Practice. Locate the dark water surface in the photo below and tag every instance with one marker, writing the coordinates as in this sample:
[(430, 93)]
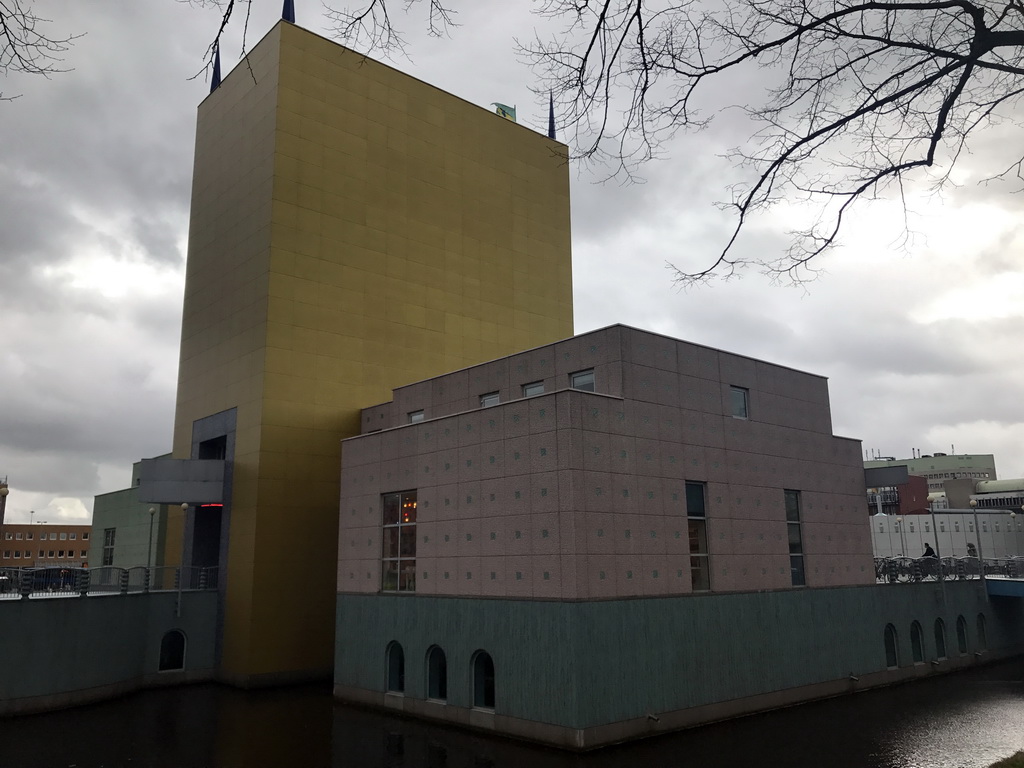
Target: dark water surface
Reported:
[(966, 720)]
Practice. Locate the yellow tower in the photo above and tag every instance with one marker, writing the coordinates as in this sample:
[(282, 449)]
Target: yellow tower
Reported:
[(353, 229)]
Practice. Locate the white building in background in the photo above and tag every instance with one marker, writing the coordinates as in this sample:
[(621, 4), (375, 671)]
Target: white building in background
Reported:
[(997, 533), (936, 468)]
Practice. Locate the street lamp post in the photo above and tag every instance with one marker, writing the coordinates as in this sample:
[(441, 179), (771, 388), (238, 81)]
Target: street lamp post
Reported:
[(149, 555), (973, 503)]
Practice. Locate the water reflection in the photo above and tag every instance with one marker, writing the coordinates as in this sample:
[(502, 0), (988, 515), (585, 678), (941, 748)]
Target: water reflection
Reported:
[(967, 720)]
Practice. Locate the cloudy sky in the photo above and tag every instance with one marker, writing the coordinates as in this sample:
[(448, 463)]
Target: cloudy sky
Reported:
[(920, 339)]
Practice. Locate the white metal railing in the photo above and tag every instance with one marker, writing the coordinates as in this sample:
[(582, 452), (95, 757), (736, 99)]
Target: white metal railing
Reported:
[(907, 569), (67, 581)]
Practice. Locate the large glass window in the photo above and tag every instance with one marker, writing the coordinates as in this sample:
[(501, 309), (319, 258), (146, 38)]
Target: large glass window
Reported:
[(108, 546), (437, 674), (398, 566), (582, 380), (738, 402), (696, 519), (483, 680), (796, 542), (396, 668)]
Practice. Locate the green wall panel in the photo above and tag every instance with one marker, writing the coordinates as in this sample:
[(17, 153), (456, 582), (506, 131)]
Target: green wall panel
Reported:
[(592, 663)]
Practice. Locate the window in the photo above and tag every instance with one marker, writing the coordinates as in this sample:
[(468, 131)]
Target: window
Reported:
[(50, 554), (398, 572), (582, 380), (892, 651), (396, 668), (60, 553), (63, 536), (17, 554), (53, 537), (108, 546), (961, 635), (85, 536), (982, 636), (796, 545), (73, 536), (917, 643), (172, 651), (28, 536), (940, 639), (17, 537), (7, 554), (40, 553), (437, 674), (483, 680), (738, 402), (415, 416), (491, 398), (533, 388), (8, 536), (696, 519), (84, 553)]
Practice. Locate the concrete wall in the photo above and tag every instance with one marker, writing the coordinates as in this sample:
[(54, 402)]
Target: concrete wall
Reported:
[(588, 673), (61, 651)]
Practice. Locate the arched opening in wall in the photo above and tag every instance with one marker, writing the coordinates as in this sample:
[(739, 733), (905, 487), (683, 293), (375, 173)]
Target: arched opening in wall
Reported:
[(982, 634), (892, 652), (917, 643), (395, 660), (961, 635), (437, 674), (483, 680), (172, 651), (940, 639)]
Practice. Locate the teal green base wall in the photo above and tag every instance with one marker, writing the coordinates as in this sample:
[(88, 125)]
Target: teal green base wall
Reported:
[(61, 651), (587, 666)]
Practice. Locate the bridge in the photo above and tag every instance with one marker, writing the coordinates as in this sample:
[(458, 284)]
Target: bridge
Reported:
[(1003, 576)]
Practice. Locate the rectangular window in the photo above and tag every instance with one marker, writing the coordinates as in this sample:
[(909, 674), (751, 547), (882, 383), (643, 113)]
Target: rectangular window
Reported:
[(533, 388), (796, 542), (415, 416), (9, 536), (51, 554), (696, 514), (17, 554), (85, 536), (53, 537), (582, 380), (73, 536), (17, 537), (398, 556), (63, 536), (7, 554), (491, 398), (84, 553), (108, 545), (738, 397), (28, 536), (60, 553), (40, 554)]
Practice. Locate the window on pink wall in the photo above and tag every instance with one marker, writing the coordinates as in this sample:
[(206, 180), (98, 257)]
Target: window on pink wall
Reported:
[(398, 556), (696, 519), (796, 545)]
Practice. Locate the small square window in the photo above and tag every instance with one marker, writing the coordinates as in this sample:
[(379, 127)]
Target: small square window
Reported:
[(17, 536), (53, 537), (415, 416), (50, 554), (28, 536), (491, 398), (738, 402), (583, 380), (73, 536), (17, 554), (533, 388), (63, 536), (85, 536)]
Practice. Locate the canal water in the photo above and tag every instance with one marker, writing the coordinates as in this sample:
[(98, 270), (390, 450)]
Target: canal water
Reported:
[(966, 720)]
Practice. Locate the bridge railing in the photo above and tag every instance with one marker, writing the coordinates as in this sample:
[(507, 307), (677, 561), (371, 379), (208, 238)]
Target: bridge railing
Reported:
[(102, 580), (894, 570)]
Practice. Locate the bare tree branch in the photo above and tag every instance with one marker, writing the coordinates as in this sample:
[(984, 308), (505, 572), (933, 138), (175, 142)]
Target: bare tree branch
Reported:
[(25, 46)]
